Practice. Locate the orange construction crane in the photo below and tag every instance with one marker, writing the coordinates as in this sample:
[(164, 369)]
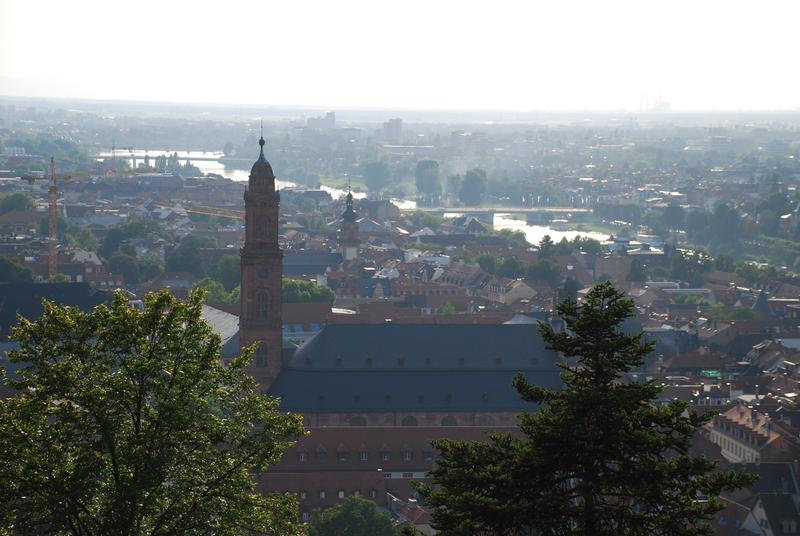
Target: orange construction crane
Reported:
[(52, 218)]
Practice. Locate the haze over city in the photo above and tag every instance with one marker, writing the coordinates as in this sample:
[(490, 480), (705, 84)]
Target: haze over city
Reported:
[(572, 55), (306, 268)]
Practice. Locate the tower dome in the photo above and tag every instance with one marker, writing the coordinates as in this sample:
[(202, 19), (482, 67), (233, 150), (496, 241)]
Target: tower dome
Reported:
[(261, 173), (349, 212)]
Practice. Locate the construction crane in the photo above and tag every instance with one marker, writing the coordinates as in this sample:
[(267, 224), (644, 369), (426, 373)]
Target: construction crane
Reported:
[(52, 217)]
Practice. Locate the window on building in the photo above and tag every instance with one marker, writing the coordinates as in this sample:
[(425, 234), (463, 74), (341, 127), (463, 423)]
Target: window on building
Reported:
[(302, 457), (449, 420), (363, 456), (340, 494), (428, 454), (322, 455), (356, 493), (306, 516), (262, 305), (322, 494), (408, 455), (261, 355), (409, 420), (343, 456), (303, 495), (358, 420), (386, 456), (373, 493)]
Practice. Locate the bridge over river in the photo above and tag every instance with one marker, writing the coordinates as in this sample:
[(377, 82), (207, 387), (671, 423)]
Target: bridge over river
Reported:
[(533, 214)]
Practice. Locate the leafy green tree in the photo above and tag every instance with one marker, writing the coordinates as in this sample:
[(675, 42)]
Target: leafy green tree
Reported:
[(674, 216), (768, 222), (720, 312), (126, 422), (121, 263), (353, 516), (544, 270), (187, 257), (546, 246), (135, 228), (297, 291), (473, 187), (84, 239), (513, 238), (725, 222), (228, 271), (697, 226), (44, 225), (16, 201), (447, 309), (597, 458), (58, 278), (587, 245), (453, 186), (235, 296), (724, 263), (488, 263), (428, 183), (214, 291), (150, 267), (511, 267), (376, 176), (11, 272), (421, 219), (637, 272)]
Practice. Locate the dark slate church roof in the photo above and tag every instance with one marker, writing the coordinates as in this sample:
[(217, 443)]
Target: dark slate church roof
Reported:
[(407, 367)]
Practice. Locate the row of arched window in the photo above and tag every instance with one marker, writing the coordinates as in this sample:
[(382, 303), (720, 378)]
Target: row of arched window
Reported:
[(411, 420)]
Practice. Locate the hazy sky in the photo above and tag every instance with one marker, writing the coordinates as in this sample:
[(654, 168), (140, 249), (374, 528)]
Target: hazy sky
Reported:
[(525, 55)]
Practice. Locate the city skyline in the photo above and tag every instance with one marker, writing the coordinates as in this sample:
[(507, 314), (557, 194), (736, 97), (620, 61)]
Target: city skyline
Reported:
[(447, 56)]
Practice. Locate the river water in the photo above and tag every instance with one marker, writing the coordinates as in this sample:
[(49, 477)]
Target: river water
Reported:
[(533, 233)]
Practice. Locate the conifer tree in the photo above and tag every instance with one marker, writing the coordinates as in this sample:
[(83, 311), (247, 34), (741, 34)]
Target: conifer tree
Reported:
[(597, 458)]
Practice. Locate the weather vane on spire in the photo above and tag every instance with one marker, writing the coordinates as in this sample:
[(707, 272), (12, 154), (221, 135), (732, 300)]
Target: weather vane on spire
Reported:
[(261, 141)]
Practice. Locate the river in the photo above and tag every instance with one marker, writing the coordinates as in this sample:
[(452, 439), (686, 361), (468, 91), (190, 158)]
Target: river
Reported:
[(534, 233)]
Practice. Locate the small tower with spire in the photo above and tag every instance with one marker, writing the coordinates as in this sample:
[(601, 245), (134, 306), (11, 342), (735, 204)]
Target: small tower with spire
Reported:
[(261, 306), (348, 231)]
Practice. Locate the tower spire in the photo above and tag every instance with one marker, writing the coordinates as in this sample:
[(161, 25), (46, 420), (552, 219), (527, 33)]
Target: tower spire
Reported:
[(261, 141)]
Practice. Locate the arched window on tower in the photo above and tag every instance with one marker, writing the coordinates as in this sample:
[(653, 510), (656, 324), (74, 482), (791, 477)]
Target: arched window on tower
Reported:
[(263, 228), (261, 355), (262, 305)]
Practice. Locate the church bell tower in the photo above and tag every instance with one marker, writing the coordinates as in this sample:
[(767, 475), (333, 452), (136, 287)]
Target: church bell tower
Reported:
[(261, 273), (348, 232)]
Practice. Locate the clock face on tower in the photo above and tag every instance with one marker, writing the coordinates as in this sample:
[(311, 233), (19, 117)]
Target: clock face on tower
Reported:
[(263, 273)]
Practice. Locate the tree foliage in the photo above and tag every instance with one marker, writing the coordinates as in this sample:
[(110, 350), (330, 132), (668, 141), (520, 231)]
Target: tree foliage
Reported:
[(376, 176), (126, 422), (297, 291), (11, 272), (597, 458), (228, 271), (428, 183), (473, 187), (187, 257), (16, 201), (353, 516)]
